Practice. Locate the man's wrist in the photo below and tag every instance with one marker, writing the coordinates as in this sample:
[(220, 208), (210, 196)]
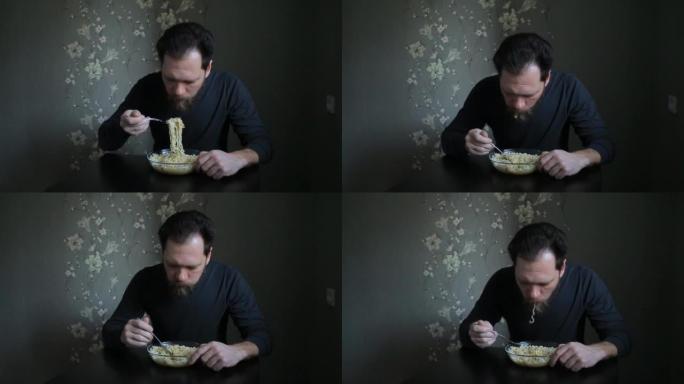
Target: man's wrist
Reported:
[(246, 156), (588, 156), (605, 350)]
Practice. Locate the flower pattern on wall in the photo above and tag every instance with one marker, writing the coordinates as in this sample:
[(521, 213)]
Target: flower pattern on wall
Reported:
[(111, 47), (470, 235), (450, 49), (112, 237)]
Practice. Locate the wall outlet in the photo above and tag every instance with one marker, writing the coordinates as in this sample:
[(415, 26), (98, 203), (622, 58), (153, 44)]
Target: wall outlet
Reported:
[(672, 104), (330, 296), (330, 104)]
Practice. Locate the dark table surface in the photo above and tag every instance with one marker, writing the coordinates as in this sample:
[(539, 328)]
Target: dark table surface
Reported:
[(476, 174), (133, 173), (135, 366), (491, 365)]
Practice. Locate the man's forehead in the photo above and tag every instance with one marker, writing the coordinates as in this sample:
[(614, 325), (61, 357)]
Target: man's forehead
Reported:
[(183, 259), (544, 261), (529, 77), (190, 65)]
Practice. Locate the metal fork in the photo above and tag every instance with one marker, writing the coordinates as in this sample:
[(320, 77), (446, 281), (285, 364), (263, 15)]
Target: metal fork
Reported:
[(497, 148), (508, 340), (162, 344), (159, 120)]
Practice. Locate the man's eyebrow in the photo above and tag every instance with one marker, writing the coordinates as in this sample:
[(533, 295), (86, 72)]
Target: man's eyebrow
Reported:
[(171, 264), (519, 94), (170, 78), (533, 282)]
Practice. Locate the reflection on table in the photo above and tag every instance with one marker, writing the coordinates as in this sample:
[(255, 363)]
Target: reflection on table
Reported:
[(135, 366), (491, 365), (133, 173), (476, 174)]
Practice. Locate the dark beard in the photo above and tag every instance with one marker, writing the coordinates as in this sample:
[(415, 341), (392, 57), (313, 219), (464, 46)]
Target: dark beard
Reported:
[(180, 290), (181, 105), (521, 116), (540, 307)]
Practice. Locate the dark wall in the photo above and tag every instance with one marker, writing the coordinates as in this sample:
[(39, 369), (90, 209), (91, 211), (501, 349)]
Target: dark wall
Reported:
[(288, 54), (391, 304), (677, 370), (666, 130), (610, 53), (286, 246)]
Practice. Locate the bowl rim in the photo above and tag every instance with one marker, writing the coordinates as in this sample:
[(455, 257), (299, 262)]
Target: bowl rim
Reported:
[(527, 151), (192, 344), (165, 151), (551, 344)]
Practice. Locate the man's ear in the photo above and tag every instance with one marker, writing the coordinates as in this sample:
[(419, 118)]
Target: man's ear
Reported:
[(548, 79), (208, 70), (562, 270), (211, 250)]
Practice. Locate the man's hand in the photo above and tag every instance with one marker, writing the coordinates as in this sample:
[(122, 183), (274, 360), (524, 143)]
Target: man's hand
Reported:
[(134, 122), (559, 163), (217, 164), (217, 355), (137, 332), (576, 356), (477, 142), (482, 333)]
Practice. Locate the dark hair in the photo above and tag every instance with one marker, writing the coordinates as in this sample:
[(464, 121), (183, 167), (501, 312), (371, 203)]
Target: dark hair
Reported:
[(181, 225), (181, 38), (534, 238), (522, 49)]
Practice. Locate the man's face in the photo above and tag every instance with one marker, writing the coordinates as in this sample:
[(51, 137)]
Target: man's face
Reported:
[(184, 264), (183, 78), (521, 92), (538, 279)]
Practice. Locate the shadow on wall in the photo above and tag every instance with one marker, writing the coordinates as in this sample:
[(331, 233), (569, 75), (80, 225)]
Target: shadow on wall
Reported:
[(382, 163), (48, 347), (39, 161)]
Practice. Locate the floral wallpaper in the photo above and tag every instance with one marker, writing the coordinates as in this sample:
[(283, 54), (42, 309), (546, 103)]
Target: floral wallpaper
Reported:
[(450, 45), (110, 237), (469, 236), (110, 47)]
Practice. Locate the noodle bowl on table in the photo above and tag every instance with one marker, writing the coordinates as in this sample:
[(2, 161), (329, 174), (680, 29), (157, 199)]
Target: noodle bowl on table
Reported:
[(516, 161), (181, 351), (174, 161), (532, 354)]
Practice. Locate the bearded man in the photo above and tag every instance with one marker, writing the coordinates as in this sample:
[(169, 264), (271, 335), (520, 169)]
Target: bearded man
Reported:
[(189, 297), (527, 105), (209, 103), (543, 297)]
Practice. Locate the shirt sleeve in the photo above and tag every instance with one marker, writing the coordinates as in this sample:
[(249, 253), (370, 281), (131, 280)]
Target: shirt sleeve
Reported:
[(130, 307), (469, 117), (486, 308), (588, 125), (245, 120), (243, 309), (110, 134), (604, 316)]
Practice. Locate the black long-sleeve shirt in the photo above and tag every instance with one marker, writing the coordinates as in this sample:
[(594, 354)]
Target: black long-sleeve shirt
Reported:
[(220, 294), (565, 102), (222, 102), (580, 295)]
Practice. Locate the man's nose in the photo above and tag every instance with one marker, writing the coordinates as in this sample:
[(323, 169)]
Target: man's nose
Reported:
[(181, 276), (535, 293), (178, 90), (519, 104)]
